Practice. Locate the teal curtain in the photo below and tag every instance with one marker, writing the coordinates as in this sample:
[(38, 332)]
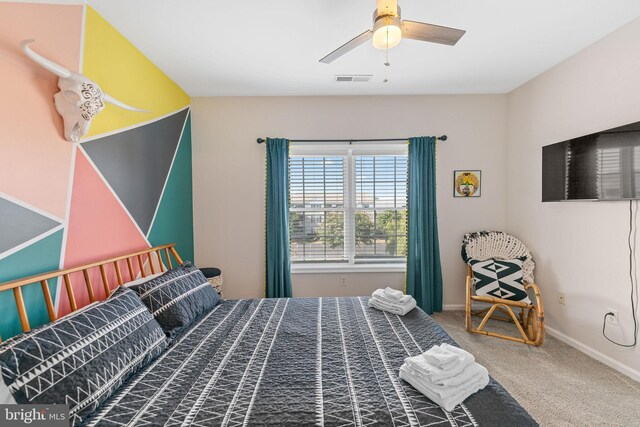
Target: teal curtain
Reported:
[(278, 264), (424, 274)]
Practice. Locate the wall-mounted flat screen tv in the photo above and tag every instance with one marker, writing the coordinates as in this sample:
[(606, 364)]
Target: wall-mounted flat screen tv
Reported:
[(600, 166)]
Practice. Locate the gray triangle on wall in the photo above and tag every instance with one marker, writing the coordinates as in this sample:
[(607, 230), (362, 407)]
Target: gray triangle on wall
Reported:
[(136, 163), (19, 224)]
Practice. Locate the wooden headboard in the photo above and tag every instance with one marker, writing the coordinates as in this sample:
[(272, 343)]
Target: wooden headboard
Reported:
[(139, 257)]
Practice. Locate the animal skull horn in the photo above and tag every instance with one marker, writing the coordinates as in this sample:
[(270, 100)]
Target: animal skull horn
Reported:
[(79, 99)]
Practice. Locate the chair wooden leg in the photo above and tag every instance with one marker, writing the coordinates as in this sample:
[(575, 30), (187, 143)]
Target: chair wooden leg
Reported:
[(486, 317), (503, 311), (525, 338), (528, 325), (538, 325), (467, 319), (515, 320), (483, 312)]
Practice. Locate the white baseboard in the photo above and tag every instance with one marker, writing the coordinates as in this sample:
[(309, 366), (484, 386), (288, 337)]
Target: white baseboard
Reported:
[(453, 307), (624, 369)]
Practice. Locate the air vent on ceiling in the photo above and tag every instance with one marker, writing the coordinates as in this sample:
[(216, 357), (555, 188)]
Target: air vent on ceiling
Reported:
[(352, 78)]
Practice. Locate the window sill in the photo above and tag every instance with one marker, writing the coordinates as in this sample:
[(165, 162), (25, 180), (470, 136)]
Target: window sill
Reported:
[(347, 268)]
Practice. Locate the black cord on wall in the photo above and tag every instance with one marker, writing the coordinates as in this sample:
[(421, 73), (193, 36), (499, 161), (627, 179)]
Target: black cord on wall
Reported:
[(633, 278)]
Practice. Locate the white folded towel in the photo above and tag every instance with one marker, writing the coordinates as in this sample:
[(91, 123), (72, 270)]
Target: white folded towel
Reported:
[(449, 397), (469, 373), (393, 294), (444, 355), (381, 295), (399, 309), (435, 373)]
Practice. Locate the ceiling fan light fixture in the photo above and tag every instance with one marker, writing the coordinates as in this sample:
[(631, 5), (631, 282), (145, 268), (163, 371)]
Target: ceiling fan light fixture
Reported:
[(386, 32), (389, 29)]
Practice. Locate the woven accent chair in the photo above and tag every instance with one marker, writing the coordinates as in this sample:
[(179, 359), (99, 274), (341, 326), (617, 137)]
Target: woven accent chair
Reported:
[(497, 245)]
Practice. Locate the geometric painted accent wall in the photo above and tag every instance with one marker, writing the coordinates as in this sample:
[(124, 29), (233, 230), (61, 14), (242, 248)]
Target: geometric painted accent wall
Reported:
[(175, 203), (136, 163), (42, 255), (125, 186)]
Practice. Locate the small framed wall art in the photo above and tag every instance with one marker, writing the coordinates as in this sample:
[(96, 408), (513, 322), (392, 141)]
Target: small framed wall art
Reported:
[(466, 183)]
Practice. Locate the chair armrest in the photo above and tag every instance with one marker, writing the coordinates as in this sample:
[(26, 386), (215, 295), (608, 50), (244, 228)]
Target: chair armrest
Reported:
[(536, 292)]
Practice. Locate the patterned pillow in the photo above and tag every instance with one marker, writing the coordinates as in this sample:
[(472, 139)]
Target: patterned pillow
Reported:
[(136, 282), (84, 357), (499, 278), (177, 297)]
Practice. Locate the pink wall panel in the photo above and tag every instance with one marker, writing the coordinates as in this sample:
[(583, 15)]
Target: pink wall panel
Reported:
[(99, 228), (35, 156)]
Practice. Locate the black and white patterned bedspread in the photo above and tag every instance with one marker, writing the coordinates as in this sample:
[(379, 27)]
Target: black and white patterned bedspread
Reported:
[(298, 362)]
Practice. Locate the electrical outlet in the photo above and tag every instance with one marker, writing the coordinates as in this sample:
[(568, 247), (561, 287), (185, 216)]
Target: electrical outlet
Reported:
[(612, 319), (562, 298), (343, 280)]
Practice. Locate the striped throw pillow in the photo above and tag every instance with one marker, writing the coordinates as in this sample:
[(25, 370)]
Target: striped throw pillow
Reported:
[(177, 297), (83, 358)]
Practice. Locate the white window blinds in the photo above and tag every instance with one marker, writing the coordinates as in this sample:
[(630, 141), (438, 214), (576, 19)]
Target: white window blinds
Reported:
[(348, 205), (380, 208), (316, 220)]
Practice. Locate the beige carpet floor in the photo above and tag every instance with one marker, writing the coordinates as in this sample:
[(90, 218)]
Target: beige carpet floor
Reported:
[(557, 384)]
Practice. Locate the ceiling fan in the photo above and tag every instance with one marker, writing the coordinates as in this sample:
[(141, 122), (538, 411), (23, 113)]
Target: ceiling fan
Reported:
[(389, 29)]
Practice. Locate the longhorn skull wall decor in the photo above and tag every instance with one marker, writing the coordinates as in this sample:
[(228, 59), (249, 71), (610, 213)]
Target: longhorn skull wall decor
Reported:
[(79, 99)]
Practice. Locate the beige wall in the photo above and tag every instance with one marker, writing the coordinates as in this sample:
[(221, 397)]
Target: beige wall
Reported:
[(580, 247), (229, 176)]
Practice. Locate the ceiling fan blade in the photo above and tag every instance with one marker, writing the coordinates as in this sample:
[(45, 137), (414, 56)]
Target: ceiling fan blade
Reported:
[(431, 33), (388, 7), (350, 45)]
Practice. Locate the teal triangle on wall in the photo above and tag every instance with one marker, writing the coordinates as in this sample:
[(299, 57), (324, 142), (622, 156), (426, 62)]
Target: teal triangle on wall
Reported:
[(39, 257), (173, 221)]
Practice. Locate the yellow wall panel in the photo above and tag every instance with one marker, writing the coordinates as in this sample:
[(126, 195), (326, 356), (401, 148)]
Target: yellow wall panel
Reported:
[(125, 73)]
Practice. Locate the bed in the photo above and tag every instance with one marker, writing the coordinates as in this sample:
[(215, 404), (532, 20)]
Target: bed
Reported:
[(297, 361)]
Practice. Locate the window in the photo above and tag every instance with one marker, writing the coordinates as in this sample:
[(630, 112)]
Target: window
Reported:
[(348, 207)]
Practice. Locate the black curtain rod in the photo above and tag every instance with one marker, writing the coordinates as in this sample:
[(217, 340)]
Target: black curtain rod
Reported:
[(440, 138)]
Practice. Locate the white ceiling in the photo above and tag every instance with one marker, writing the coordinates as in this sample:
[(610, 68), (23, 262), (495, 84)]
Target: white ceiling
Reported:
[(258, 47)]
